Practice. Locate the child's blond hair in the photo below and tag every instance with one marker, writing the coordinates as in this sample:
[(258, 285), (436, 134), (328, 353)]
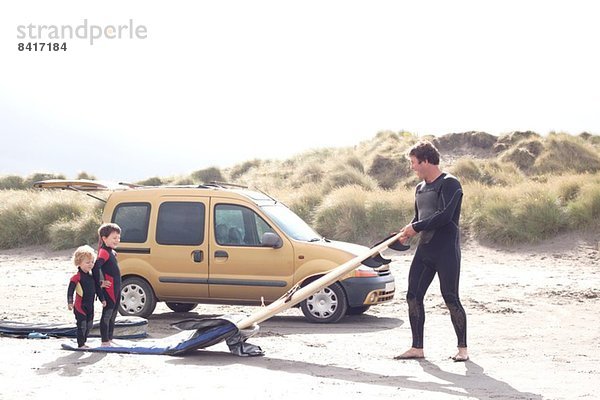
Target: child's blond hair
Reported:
[(82, 253)]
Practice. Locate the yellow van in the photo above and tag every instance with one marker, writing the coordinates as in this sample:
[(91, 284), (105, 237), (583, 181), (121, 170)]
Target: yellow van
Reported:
[(226, 244)]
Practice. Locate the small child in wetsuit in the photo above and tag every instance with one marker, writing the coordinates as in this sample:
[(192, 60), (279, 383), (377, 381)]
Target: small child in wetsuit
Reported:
[(82, 292)]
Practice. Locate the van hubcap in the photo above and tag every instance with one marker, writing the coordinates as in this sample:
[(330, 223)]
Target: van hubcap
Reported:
[(133, 298), (323, 303)]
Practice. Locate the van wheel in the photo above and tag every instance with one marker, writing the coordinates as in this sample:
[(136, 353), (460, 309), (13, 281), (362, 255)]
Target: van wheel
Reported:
[(327, 306), (357, 310), (137, 298), (181, 307)]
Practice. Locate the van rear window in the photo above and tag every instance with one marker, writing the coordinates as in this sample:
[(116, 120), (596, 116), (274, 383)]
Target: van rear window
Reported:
[(180, 223), (133, 220)]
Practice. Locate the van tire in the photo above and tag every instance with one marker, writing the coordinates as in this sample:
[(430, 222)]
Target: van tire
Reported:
[(181, 307), (327, 306), (137, 298)]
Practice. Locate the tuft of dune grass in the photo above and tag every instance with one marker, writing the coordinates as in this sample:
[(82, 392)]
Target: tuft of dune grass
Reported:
[(66, 234), (353, 214), (532, 211), (489, 173), (564, 153), (584, 209), (27, 216), (304, 201)]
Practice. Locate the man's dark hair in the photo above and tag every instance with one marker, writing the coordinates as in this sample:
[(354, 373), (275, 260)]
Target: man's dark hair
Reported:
[(107, 229), (425, 151)]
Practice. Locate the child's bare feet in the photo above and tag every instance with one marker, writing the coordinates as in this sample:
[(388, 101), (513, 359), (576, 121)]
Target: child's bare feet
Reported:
[(411, 354), (106, 344), (84, 347)]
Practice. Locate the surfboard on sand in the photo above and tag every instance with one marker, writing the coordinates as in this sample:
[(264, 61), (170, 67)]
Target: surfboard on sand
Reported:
[(198, 334), (125, 328)]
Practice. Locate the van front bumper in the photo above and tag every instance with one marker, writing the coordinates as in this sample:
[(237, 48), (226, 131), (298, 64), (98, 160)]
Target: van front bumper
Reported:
[(369, 291)]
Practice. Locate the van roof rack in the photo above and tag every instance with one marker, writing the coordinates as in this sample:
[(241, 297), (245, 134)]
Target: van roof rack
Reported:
[(223, 185), (131, 185)]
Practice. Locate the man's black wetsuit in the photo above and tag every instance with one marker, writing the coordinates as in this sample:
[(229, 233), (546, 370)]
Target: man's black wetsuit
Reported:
[(437, 212), (84, 287), (106, 268)]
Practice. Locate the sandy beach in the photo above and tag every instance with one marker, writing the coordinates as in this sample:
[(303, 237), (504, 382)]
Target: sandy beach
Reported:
[(533, 333)]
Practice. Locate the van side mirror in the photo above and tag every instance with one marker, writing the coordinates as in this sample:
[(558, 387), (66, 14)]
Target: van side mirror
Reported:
[(270, 239)]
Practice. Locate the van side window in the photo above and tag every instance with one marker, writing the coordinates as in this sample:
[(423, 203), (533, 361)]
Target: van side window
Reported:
[(238, 226), (133, 220), (180, 223)]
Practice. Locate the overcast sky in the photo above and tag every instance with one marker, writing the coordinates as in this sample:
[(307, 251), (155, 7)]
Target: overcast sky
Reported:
[(221, 82)]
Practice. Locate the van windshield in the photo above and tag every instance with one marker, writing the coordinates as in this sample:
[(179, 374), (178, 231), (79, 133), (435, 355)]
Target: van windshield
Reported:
[(290, 223)]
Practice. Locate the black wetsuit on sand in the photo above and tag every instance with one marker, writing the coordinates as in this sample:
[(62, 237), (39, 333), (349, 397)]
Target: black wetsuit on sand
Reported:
[(437, 212), (107, 268)]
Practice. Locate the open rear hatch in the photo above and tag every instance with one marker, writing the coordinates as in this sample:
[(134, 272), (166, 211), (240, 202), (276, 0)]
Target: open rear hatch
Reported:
[(83, 185)]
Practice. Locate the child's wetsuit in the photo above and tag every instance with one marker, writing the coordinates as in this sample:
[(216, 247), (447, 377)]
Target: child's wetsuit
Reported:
[(106, 268), (84, 287)]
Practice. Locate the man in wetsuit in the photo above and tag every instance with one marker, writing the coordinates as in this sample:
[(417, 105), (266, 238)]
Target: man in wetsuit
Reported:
[(438, 201)]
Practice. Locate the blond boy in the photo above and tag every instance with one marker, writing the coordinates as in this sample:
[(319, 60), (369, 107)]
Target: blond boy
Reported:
[(82, 291)]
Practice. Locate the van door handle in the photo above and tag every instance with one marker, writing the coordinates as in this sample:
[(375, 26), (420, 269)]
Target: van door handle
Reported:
[(221, 253), (198, 255)]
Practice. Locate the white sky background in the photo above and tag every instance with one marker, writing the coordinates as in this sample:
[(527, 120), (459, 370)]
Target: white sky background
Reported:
[(221, 82)]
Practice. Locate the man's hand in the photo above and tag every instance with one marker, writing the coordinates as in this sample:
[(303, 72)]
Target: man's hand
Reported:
[(406, 233)]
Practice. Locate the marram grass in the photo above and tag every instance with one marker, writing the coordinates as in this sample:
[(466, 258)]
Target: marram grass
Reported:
[(525, 189)]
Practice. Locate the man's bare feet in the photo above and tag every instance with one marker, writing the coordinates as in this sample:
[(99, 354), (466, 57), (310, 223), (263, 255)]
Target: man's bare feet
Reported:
[(462, 355), (411, 354)]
